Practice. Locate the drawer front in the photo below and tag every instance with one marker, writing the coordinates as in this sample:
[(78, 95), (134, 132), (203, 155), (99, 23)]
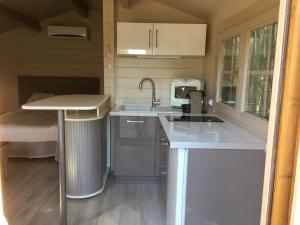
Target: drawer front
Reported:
[(137, 127)]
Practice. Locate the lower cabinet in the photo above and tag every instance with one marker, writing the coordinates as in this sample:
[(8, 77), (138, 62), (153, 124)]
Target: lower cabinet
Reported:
[(224, 187), (139, 146), (133, 145)]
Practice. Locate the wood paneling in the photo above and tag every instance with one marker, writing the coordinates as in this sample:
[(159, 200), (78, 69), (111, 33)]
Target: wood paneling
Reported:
[(129, 72), (81, 7), (26, 53), (28, 85), (108, 48), (288, 136), (20, 18), (230, 15)]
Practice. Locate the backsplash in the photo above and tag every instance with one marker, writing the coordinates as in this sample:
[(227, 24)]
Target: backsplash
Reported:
[(129, 71)]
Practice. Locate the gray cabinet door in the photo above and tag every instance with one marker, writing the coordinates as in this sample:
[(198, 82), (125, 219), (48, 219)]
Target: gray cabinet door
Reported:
[(133, 145), (224, 187), (162, 146)]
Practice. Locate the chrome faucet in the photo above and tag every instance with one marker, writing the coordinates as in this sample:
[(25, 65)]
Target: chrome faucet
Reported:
[(155, 101)]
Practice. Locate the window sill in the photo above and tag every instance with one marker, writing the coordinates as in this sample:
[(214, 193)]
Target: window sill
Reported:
[(251, 122), (226, 109)]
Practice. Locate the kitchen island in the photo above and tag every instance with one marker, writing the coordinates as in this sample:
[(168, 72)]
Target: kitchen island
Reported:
[(215, 173), (213, 170), (82, 151)]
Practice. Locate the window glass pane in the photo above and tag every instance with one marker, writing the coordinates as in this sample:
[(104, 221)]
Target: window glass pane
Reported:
[(260, 72), (229, 70)]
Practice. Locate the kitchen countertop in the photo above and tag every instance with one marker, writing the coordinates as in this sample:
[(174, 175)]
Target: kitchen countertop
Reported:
[(208, 135), (68, 102), (198, 135)]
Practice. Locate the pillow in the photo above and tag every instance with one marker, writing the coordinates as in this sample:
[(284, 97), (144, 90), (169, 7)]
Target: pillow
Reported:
[(39, 96)]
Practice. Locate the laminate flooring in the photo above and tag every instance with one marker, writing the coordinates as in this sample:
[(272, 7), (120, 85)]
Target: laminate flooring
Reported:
[(31, 197)]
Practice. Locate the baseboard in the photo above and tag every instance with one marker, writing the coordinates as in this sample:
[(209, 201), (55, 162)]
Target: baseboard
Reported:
[(138, 179)]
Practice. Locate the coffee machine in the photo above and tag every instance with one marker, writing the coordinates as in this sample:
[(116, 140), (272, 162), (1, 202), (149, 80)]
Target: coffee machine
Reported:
[(197, 101), (189, 95)]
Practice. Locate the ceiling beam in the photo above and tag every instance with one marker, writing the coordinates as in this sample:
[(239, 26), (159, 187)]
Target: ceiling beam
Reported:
[(20, 18), (126, 3), (80, 7)]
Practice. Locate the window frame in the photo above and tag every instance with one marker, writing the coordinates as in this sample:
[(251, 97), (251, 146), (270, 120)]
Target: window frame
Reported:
[(220, 106), (220, 72), (237, 113), (246, 74)]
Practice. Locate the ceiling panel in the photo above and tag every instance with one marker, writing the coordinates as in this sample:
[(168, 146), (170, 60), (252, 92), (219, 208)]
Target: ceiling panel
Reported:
[(39, 10), (201, 8)]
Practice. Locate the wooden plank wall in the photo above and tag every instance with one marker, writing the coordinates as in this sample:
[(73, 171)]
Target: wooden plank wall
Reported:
[(230, 15), (109, 48), (24, 52), (130, 70), (288, 135)]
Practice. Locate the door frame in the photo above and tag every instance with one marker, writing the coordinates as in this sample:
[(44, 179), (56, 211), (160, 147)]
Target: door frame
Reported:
[(279, 70)]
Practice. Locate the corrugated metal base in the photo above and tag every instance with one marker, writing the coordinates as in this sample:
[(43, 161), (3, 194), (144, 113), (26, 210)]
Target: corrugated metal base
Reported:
[(85, 157), (97, 192)]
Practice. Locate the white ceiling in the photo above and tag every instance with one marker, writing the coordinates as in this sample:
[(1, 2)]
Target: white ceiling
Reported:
[(201, 8)]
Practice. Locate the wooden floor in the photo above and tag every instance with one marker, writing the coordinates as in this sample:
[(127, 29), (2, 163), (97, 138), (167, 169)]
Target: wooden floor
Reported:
[(31, 197)]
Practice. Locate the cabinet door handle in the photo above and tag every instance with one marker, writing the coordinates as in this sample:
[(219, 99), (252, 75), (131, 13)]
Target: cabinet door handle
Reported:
[(150, 38), (163, 139), (165, 143), (135, 121), (156, 40), (163, 173)]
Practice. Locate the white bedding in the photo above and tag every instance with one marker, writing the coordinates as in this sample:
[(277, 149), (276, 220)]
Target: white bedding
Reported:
[(33, 134), (28, 126)]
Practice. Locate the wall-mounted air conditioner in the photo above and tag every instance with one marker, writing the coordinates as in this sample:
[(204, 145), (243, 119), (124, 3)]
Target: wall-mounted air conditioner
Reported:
[(67, 32)]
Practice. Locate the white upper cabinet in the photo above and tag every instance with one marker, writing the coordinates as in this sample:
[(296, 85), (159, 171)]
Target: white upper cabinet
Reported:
[(160, 39), (135, 38), (179, 39)]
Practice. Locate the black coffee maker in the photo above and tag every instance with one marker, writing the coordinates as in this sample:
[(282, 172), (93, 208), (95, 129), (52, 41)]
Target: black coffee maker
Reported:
[(197, 103)]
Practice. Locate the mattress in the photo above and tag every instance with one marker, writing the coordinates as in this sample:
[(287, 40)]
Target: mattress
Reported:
[(28, 126)]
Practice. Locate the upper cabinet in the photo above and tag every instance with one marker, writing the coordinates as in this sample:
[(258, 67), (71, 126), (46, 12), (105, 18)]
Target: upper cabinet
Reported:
[(179, 39), (135, 38), (161, 39)]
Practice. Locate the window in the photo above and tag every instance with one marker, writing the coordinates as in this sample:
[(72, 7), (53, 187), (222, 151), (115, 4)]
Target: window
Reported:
[(229, 71), (260, 70)]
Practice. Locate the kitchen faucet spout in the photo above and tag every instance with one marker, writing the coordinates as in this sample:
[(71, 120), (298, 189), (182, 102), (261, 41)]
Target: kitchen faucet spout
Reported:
[(154, 100)]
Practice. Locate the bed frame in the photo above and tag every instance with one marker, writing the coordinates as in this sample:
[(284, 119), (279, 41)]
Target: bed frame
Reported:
[(27, 85)]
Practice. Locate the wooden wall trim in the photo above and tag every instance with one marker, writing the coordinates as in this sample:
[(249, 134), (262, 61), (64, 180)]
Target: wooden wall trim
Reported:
[(294, 211), (287, 140)]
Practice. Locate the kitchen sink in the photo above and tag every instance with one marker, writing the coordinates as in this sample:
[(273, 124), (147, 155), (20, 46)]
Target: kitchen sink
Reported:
[(136, 108)]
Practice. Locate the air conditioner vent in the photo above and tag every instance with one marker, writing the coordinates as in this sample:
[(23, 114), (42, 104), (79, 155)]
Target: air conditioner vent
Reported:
[(67, 32)]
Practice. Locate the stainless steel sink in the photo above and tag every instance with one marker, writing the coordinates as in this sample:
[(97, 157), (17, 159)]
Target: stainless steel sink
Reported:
[(136, 108)]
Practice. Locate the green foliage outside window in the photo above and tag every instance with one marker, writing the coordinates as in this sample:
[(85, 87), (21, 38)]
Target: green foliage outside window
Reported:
[(260, 71)]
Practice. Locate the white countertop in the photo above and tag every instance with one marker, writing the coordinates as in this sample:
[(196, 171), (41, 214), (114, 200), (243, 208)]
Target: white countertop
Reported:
[(68, 102), (207, 135)]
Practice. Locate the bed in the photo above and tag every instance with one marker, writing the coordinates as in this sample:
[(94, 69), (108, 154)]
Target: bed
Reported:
[(33, 134)]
